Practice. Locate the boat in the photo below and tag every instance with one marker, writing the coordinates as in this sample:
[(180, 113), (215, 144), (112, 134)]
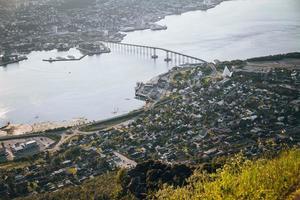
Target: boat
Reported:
[(71, 57), (157, 27)]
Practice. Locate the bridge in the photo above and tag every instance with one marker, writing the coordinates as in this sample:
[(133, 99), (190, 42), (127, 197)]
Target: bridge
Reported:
[(177, 57)]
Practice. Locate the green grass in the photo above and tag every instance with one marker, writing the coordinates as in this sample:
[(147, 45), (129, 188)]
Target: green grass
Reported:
[(268, 179)]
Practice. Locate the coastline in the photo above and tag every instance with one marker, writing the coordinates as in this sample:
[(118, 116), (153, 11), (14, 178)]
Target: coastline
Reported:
[(84, 125), (158, 18), (19, 130), (205, 97), (162, 17), (121, 34), (181, 13)]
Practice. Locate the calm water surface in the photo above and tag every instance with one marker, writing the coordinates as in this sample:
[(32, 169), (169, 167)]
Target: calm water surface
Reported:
[(98, 86), (234, 29)]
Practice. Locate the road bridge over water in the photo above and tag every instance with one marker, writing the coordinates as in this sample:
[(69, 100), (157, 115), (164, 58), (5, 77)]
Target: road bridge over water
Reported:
[(170, 55)]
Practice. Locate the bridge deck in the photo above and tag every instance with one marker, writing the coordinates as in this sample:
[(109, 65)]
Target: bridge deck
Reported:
[(159, 48)]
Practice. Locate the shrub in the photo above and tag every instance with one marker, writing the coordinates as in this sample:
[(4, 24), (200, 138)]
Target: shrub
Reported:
[(243, 179)]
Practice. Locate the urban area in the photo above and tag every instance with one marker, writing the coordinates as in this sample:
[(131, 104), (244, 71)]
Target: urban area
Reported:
[(196, 117), (192, 116)]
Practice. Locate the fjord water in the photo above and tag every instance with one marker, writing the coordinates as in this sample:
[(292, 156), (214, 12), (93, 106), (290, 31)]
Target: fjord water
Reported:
[(95, 87), (233, 30), (99, 87)]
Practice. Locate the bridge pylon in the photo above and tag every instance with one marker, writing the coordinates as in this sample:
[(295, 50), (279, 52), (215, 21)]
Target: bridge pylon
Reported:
[(154, 55)]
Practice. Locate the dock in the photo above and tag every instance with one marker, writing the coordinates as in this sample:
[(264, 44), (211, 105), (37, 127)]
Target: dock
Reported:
[(64, 59)]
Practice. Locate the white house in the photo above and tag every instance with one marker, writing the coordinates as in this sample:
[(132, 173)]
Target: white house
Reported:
[(227, 72)]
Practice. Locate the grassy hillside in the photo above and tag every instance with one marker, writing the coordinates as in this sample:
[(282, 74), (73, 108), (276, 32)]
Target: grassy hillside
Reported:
[(277, 178)]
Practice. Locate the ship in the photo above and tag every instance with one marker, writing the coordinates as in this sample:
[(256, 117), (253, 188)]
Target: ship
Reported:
[(157, 27), (71, 57)]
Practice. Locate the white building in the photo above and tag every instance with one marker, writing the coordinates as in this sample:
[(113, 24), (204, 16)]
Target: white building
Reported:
[(227, 72), (28, 148)]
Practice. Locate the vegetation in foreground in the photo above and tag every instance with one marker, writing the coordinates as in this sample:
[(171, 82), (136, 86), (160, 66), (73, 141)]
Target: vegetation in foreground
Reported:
[(102, 187), (240, 178), (200, 121), (272, 179)]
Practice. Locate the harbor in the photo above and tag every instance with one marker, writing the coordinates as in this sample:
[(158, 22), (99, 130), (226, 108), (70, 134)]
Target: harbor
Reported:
[(69, 58), (87, 49)]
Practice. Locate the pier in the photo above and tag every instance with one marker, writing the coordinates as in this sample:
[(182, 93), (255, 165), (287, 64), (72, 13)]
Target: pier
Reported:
[(64, 59), (170, 56)]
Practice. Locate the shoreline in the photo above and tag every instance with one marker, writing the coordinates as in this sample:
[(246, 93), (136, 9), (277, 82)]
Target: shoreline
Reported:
[(19, 130), (86, 125), (122, 34), (185, 12)]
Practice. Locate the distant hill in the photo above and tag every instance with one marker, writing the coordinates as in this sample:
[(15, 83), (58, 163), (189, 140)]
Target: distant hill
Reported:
[(276, 57)]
